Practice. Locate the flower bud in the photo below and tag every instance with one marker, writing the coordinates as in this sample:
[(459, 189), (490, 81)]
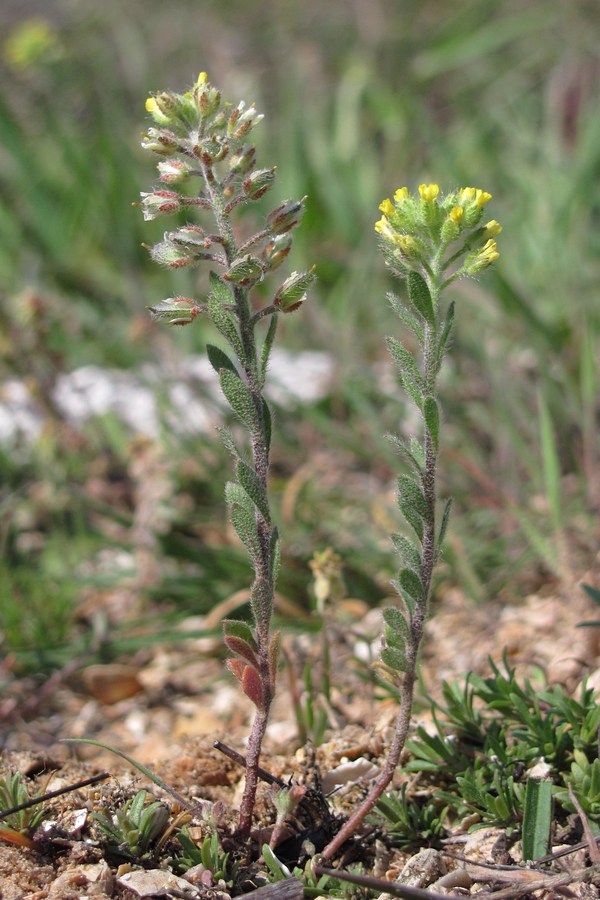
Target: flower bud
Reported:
[(481, 259), (174, 171), (429, 192), (212, 150), (292, 293), (241, 120), (159, 203), (452, 225), (492, 228), (258, 183), (387, 207), (166, 253), (192, 236), (167, 108), (206, 97), (243, 160), (161, 141), (176, 310), (245, 270), (276, 250), (286, 216)]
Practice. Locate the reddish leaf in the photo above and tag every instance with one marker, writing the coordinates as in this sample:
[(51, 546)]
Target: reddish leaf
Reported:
[(242, 648)]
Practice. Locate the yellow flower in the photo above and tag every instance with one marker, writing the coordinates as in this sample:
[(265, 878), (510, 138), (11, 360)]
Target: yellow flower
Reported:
[(466, 194), (401, 194), (386, 207), (456, 214), (382, 227), (482, 197), (202, 78), (406, 243), (153, 107), (429, 191), (488, 253), (492, 228)]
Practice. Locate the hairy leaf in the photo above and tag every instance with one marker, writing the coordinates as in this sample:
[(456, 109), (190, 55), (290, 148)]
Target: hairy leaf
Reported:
[(261, 601), (445, 336), (406, 364), (241, 648), (410, 582), (420, 296), (228, 442), (218, 359), (254, 487), (244, 523), (407, 317), (266, 348), (225, 323), (235, 493), (395, 659), (239, 398), (240, 629), (406, 451), (409, 554), (396, 627), (443, 526), (432, 420)]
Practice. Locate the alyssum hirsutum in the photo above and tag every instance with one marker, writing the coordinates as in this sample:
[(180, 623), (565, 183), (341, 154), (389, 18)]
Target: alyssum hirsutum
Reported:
[(428, 240), (205, 141)]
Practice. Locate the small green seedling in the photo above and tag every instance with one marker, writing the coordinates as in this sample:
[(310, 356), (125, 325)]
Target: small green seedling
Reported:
[(134, 830)]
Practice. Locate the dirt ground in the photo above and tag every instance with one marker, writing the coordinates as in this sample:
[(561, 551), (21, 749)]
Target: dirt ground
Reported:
[(167, 705)]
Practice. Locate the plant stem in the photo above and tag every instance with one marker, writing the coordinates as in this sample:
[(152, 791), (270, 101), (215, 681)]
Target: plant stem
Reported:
[(408, 678), (263, 586)]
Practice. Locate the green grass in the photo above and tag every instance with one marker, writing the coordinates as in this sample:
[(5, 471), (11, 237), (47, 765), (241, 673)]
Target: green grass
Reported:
[(358, 103)]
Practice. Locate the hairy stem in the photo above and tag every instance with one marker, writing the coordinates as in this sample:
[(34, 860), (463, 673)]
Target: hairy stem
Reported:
[(408, 678), (263, 566)]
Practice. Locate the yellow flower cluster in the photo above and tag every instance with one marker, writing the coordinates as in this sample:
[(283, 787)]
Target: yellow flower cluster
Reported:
[(421, 225)]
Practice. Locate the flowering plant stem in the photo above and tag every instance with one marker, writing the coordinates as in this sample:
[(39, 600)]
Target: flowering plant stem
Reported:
[(207, 140), (422, 240)]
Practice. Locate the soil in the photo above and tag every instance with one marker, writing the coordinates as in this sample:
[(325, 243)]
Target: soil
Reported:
[(167, 705)]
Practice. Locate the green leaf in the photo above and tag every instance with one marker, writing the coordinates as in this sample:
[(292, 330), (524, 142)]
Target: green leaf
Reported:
[(239, 398), (241, 629), (420, 297), (394, 658), (406, 364), (219, 290), (244, 523), (414, 520), (225, 323), (445, 336), (396, 626), (410, 582), (443, 526), (254, 487), (261, 601), (235, 493), (228, 442), (432, 420), (267, 424), (266, 348), (409, 554), (410, 496), (218, 359), (407, 451), (407, 317), (275, 554), (537, 819)]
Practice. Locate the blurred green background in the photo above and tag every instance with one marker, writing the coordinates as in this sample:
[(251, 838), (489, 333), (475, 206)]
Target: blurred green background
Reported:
[(359, 98)]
